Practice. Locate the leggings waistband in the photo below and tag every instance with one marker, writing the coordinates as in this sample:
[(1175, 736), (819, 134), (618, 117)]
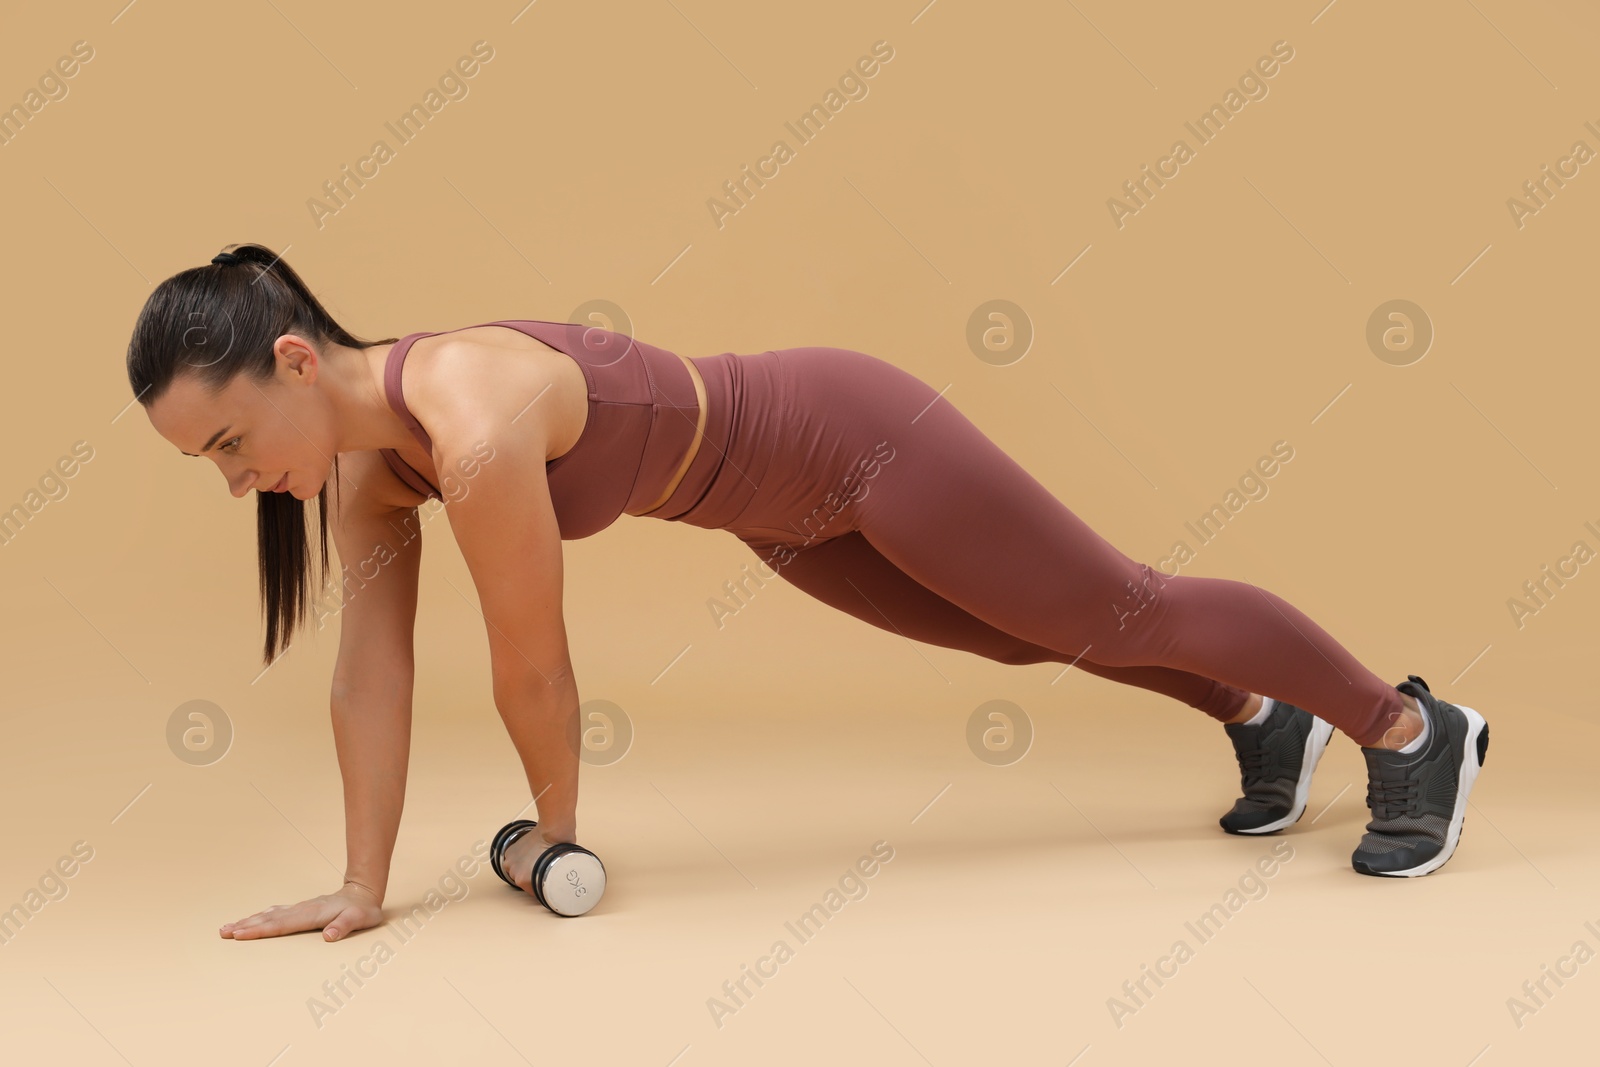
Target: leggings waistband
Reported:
[(740, 434)]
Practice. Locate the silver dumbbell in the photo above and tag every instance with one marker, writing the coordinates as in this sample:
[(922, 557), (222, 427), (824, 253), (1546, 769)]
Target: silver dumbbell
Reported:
[(568, 879)]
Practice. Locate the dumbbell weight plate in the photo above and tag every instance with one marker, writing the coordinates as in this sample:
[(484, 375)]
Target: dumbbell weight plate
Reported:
[(569, 879)]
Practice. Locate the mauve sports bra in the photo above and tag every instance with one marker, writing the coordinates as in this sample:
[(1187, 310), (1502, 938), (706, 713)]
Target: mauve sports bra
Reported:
[(642, 412)]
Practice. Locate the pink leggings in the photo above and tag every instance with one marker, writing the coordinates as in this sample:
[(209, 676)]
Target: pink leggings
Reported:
[(858, 483)]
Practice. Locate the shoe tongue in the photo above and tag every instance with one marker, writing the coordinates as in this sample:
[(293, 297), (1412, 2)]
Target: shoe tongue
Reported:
[(1244, 738), (1388, 765)]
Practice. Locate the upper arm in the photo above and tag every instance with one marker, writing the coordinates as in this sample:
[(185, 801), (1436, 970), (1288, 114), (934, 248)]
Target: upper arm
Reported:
[(505, 524), (380, 552)]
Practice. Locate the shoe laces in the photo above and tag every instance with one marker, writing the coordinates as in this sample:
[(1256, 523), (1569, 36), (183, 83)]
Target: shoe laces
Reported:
[(1256, 763), (1393, 799)]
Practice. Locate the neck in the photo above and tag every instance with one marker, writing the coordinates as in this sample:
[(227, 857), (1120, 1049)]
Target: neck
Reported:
[(361, 407)]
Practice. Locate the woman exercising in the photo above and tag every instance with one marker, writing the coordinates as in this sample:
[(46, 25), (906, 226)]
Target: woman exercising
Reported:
[(849, 477)]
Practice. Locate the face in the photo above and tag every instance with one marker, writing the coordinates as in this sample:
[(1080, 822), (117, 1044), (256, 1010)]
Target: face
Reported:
[(263, 436)]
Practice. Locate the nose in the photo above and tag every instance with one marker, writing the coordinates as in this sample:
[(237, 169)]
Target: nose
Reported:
[(240, 482)]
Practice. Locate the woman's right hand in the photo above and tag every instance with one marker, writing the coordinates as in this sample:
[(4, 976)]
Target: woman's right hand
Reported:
[(353, 907)]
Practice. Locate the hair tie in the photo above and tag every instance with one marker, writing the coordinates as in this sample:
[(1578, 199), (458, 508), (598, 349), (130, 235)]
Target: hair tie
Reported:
[(226, 259)]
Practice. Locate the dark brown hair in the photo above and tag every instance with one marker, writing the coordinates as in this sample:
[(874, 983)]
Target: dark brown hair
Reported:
[(221, 320)]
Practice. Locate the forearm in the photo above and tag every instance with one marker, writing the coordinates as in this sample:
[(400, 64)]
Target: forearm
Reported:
[(541, 715), (372, 733)]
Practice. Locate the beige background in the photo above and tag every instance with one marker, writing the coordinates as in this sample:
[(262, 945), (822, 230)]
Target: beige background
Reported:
[(1225, 315)]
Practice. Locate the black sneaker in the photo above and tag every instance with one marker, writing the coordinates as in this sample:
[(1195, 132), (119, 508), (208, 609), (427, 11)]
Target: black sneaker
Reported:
[(1276, 759), (1419, 799)]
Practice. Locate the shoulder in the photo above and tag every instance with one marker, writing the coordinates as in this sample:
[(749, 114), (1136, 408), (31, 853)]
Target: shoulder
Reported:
[(491, 380)]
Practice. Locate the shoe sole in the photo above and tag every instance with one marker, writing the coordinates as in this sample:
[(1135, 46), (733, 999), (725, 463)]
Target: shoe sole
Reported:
[(1316, 743), (1473, 750)]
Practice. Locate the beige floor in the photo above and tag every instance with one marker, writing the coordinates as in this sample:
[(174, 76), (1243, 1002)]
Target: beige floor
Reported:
[(1168, 350), (1015, 903)]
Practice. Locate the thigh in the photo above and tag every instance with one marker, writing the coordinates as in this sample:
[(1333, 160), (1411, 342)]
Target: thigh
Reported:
[(848, 573), (959, 516)]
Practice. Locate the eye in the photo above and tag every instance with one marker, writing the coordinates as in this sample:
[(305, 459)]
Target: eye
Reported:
[(234, 443)]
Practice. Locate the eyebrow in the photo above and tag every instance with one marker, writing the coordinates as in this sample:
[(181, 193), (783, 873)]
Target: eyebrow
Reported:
[(211, 442)]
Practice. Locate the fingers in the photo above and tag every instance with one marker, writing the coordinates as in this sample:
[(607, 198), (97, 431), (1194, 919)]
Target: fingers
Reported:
[(240, 925), (276, 920)]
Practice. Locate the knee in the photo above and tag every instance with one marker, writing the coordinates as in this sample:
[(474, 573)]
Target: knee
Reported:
[(1132, 626)]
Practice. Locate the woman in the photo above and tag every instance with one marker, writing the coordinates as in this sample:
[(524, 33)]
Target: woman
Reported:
[(847, 476)]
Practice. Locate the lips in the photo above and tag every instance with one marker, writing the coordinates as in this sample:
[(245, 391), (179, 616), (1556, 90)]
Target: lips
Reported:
[(281, 483)]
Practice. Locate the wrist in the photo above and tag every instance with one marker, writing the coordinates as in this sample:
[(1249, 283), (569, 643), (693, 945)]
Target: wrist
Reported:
[(374, 893), (556, 832)]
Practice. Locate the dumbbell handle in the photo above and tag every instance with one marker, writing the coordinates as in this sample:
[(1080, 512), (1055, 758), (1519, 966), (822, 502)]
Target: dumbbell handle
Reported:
[(568, 879)]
